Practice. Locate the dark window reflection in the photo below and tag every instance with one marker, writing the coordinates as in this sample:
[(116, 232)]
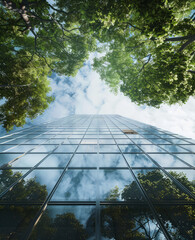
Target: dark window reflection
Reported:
[(178, 220), (129, 222), (66, 222), (14, 221)]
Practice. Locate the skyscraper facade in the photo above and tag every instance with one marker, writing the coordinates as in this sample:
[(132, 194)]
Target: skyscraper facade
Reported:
[(96, 177)]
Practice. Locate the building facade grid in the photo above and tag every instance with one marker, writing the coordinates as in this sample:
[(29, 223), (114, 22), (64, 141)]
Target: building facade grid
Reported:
[(83, 177)]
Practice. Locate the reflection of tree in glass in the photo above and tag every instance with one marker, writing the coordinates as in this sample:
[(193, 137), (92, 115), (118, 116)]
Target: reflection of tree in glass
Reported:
[(63, 226), (159, 187), (136, 221), (14, 220), (28, 190)]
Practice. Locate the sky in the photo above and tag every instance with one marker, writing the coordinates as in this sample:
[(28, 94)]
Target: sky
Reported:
[(88, 94)]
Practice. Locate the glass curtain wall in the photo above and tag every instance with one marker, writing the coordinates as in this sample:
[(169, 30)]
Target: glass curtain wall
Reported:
[(96, 177)]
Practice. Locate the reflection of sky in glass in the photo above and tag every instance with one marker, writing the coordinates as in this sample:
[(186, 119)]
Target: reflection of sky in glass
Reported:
[(129, 148), (151, 148), (20, 148), (44, 148), (159, 141), (87, 148), (66, 148), (141, 141), (189, 158), (76, 185), (167, 160), (139, 160), (173, 148), (56, 160), (124, 141), (28, 160), (6, 158), (190, 148), (84, 160), (109, 148), (111, 160), (110, 179)]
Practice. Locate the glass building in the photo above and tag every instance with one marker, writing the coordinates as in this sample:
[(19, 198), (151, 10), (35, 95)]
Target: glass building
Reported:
[(96, 177)]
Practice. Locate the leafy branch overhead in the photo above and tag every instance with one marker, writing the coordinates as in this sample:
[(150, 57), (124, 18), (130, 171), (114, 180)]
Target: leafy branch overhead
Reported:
[(148, 49)]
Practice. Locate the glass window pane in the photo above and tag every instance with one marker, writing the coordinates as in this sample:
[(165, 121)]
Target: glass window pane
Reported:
[(190, 148), (76, 185), (15, 220), (35, 187), (189, 158), (28, 160), (151, 148), (178, 220), (167, 160), (124, 141), (5, 158), (84, 160), (9, 176), (173, 148), (66, 222), (87, 148), (129, 222), (66, 148), (111, 160), (139, 160), (118, 185), (129, 148), (108, 148), (160, 187), (56, 160), (185, 177), (45, 148)]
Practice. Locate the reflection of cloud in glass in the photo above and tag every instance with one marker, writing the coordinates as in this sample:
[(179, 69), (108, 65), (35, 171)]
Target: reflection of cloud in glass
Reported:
[(112, 180), (173, 148), (139, 160), (28, 160), (189, 158), (44, 148), (84, 160), (111, 160), (129, 148), (151, 148), (76, 185), (56, 160), (167, 160)]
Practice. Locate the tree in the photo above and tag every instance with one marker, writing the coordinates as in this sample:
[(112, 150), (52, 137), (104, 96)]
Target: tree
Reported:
[(35, 39), (150, 53), (24, 88)]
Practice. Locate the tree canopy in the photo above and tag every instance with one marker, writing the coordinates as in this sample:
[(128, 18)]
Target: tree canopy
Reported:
[(147, 45)]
